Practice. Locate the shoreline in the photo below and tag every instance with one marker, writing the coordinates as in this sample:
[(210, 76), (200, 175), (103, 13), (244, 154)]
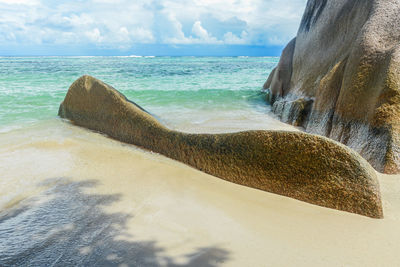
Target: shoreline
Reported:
[(152, 203)]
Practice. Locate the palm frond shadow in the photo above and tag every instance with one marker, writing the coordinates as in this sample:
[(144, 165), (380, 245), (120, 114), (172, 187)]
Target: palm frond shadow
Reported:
[(68, 227)]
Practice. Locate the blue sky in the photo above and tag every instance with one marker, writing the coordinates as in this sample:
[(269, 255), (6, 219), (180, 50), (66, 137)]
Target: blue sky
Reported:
[(152, 27)]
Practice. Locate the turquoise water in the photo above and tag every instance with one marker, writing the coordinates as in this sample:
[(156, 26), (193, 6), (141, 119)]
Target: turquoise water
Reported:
[(173, 88)]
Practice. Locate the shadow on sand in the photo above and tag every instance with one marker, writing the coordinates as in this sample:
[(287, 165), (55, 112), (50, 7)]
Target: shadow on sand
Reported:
[(64, 226)]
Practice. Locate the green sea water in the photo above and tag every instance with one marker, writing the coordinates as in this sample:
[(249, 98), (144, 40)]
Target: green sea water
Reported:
[(175, 89)]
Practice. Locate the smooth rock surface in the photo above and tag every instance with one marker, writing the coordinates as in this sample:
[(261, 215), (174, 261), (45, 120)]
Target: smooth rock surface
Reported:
[(346, 59), (299, 165)]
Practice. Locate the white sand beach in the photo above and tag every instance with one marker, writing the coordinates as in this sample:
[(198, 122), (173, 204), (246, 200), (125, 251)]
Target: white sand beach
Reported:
[(71, 195)]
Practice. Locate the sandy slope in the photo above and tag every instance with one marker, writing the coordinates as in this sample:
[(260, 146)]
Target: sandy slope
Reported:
[(70, 196)]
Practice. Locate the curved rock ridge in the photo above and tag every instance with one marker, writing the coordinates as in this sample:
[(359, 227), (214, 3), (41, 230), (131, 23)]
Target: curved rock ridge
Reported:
[(340, 77), (294, 164)]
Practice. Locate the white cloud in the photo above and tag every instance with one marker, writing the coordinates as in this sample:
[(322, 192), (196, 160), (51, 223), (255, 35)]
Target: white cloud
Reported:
[(202, 35), (199, 35), (200, 31), (123, 23), (77, 21), (142, 35), (94, 35), (20, 2), (230, 38)]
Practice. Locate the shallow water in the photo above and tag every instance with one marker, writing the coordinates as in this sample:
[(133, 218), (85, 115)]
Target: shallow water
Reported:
[(172, 88), (72, 197)]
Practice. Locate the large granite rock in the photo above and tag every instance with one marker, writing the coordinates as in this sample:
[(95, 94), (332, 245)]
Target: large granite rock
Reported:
[(299, 165), (343, 68)]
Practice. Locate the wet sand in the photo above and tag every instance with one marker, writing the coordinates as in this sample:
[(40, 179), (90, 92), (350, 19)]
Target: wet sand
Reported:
[(69, 196)]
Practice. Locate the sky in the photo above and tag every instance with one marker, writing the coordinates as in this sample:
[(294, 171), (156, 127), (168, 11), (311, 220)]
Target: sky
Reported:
[(152, 27)]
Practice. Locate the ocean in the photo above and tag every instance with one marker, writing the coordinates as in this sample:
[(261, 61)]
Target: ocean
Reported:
[(181, 91)]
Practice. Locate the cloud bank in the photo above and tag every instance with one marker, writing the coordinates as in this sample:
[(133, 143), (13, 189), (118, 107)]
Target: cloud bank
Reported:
[(120, 24)]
